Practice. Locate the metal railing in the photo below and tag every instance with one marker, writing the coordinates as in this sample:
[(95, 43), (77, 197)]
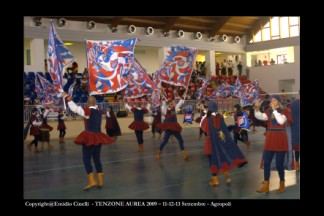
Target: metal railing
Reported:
[(226, 104)]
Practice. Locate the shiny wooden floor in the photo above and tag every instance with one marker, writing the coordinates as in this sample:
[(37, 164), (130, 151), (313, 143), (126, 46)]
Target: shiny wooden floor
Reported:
[(59, 173)]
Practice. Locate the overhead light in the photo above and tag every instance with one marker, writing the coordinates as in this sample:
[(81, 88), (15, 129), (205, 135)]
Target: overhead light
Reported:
[(132, 29), (218, 53), (149, 31), (68, 44), (180, 34), (198, 35), (237, 39), (91, 25), (224, 37), (61, 22)]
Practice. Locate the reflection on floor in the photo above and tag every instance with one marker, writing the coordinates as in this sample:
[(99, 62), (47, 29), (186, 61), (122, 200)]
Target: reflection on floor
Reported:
[(59, 174)]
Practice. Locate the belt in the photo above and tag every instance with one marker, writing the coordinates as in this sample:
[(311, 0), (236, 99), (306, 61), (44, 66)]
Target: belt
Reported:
[(276, 129)]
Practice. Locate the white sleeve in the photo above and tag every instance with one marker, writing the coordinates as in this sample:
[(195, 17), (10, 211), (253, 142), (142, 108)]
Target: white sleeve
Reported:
[(202, 120), (261, 116), (36, 123), (108, 114), (46, 113), (128, 107), (64, 117), (281, 119), (148, 106), (77, 109), (179, 104), (164, 108)]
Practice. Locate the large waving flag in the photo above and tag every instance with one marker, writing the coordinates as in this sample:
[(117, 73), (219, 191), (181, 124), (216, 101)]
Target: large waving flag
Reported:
[(139, 82), (109, 62), (202, 89), (238, 90), (251, 93), (178, 66), (58, 56), (51, 99), (39, 90)]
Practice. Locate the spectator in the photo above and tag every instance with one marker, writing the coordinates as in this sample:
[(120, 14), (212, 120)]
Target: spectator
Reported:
[(239, 68), (272, 62)]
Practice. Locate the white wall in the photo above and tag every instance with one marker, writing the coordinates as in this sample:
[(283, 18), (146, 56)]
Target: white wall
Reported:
[(270, 76), (148, 58)]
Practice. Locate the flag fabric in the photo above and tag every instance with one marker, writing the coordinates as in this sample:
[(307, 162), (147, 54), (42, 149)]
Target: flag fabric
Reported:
[(39, 90), (139, 82), (51, 99), (238, 90), (58, 56), (71, 88), (156, 79), (109, 63), (178, 66), (156, 98), (251, 93), (223, 91), (202, 89)]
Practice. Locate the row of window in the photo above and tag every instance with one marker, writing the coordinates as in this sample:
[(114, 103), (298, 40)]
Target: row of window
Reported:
[(277, 28)]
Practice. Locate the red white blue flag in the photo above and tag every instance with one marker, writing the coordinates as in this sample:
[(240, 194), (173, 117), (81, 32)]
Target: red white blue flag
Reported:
[(109, 63), (251, 93), (178, 65), (58, 56), (202, 89), (139, 82)]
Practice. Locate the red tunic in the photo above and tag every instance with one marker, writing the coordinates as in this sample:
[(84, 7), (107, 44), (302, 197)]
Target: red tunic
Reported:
[(170, 122), (277, 140), (89, 138), (34, 130)]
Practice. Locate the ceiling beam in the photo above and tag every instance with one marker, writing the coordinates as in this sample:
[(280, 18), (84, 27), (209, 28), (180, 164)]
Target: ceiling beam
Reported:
[(138, 20), (170, 23), (115, 21), (198, 19), (232, 31), (237, 25), (257, 26), (201, 28), (220, 23)]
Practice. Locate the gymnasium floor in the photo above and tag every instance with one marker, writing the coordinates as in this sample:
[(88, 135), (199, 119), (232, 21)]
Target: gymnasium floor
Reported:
[(59, 174)]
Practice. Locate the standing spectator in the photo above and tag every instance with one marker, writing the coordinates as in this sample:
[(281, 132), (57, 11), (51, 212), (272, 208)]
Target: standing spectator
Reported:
[(91, 138), (224, 67), (115, 99), (73, 70), (239, 68), (272, 62)]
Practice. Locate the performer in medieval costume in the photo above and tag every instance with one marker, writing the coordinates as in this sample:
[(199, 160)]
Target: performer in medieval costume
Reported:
[(276, 142), (112, 125), (171, 126), (138, 125), (223, 153), (91, 138)]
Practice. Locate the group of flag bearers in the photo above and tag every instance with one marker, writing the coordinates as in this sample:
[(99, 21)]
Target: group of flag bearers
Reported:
[(221, 149)]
